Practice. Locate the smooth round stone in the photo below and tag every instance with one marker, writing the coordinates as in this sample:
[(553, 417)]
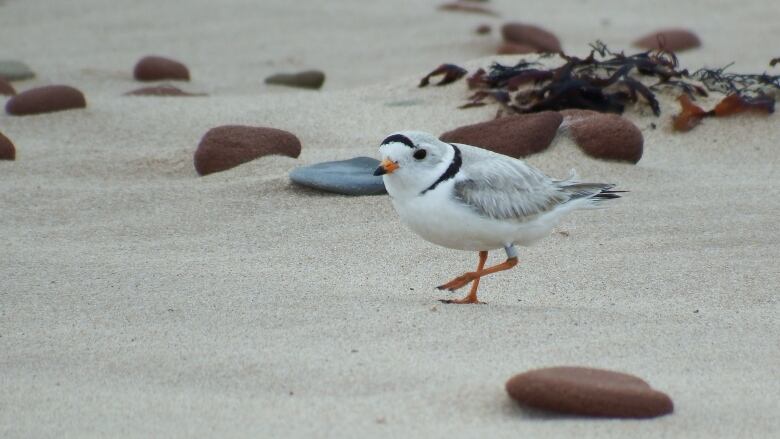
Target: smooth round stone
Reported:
[(228, 146), (45, 99), (7, 150), (604, 135), (349, 177), (589, 392), (530, 35), (11, 70), (515, 136), (158, 68), (308, 79), (673, 39)]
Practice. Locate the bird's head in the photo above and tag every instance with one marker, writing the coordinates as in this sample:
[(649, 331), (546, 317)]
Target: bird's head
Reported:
[(411, 156)]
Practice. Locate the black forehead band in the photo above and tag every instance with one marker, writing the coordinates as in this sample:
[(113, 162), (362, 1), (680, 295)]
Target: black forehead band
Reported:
[(400, 139)]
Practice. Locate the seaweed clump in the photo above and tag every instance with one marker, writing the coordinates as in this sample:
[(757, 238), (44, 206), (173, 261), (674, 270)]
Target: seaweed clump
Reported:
[(607, 81)]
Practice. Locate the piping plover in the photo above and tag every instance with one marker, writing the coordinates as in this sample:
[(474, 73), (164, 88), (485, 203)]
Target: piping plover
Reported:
[(468, 198)]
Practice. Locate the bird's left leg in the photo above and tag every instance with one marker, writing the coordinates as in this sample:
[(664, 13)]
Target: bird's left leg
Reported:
[(461, 281), (472, 297)]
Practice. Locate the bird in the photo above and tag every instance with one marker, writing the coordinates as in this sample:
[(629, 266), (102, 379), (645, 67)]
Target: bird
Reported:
[(464, 197)]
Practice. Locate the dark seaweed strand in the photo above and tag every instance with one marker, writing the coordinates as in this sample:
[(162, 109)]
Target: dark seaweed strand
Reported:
[(604, 81), (450, 172)]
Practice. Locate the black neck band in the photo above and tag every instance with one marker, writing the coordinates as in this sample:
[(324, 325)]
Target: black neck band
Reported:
[(450, 172)]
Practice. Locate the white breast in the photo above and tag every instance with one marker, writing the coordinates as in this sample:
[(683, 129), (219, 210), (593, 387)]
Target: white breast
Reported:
[(438, 218)]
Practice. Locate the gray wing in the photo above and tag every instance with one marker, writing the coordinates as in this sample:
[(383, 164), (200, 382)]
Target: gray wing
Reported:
[(503, 188)]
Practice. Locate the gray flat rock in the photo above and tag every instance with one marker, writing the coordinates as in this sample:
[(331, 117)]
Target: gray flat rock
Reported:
[(11, 70), (349, 177), (309, 79)]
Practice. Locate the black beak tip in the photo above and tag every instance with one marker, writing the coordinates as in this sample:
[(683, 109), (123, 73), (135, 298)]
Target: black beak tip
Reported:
[(380, 171)]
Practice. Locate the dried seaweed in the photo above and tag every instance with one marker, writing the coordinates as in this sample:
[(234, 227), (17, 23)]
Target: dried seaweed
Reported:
[(691, 114), (609, 81), (745, 84), (604, 81), (451, 73)]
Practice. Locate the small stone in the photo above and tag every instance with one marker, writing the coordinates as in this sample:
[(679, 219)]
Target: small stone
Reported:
[(45, 100), (515, 49), (483, 29), (308, 79), (6, 89), (527, 34), (672, 39), (464, 6), (515, 136), (157, 68), (11, 70), (7, 150), (228, 146), (161, 90), (604, 135), (349, 177), (589, 392)]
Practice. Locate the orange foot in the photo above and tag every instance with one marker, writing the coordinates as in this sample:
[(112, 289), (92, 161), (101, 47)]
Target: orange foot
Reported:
[(463, 301), (459, 282)]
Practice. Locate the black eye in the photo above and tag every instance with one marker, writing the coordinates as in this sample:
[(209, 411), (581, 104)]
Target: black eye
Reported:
[(420, 154)]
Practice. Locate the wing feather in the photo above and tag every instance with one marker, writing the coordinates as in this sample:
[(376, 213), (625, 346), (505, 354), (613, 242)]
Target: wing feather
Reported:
[(503, 188)]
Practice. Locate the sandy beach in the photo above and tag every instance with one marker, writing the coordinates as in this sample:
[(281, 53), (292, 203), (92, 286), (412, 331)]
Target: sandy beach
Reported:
[(140, 300)]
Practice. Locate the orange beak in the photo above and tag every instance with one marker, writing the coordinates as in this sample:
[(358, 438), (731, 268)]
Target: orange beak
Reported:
[(386, 167)]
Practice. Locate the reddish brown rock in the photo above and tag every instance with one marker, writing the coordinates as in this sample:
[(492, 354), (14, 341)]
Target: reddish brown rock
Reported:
[(161, 90), (604, 136), (530, 35), (45, 100), (672, 39), (515, 49), (589, 392), (7, 150), (515, 136), (6, 89), (228, 146), (157, 68)]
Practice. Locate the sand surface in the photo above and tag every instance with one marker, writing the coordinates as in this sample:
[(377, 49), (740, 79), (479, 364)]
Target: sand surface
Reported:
[(139, 300)]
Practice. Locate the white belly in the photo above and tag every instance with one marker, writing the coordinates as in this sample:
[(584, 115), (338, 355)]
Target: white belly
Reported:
[(439, 219)]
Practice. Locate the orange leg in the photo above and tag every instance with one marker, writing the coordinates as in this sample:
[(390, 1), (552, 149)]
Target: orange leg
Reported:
[(472, 297), (461, 281)]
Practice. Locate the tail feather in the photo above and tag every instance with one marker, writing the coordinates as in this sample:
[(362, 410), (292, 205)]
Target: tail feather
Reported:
[(596, 192)]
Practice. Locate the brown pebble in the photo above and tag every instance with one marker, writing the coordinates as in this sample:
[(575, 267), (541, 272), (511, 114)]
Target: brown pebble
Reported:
[(7, 150), (589, 392), (673, 39), (515, 136), (483, 29), (527, 34), (228, 146), (515, 49), (157, 68), (45, 100), (161, 90), (604, 135), (6, 89)]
